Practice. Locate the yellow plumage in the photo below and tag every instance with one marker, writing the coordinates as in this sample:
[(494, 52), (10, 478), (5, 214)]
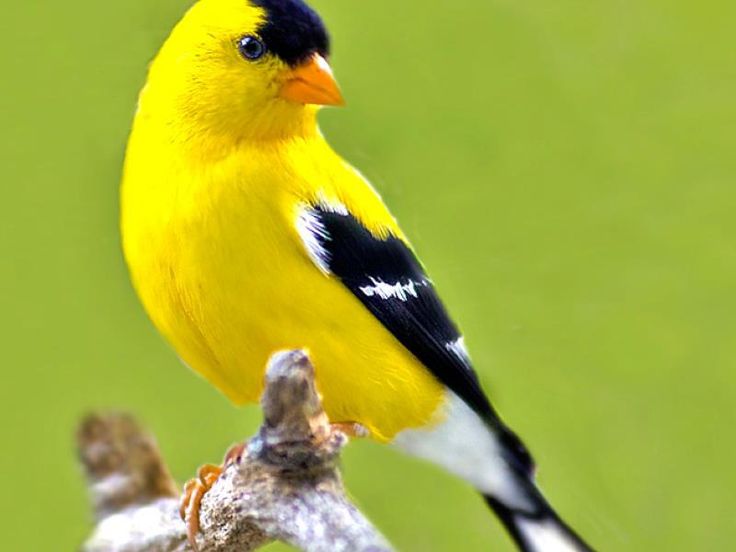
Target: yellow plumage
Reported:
[(246, 234), (215, 173)]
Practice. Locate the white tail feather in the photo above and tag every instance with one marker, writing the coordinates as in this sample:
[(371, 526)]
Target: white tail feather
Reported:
[(546, 535)]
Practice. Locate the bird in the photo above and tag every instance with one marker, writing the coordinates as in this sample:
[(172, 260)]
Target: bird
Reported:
[(245, 233)]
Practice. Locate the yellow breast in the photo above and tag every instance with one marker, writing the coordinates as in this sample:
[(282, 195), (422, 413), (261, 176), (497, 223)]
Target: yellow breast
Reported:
[(217, 261)]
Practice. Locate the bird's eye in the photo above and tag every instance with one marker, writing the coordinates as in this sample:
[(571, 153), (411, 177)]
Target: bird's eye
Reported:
[(251, 48)]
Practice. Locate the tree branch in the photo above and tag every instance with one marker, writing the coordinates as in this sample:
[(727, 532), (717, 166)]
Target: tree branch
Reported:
[(285, 487)]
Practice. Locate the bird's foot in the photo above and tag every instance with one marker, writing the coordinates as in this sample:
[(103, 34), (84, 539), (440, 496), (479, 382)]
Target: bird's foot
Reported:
[(353, 430), (195, 489)]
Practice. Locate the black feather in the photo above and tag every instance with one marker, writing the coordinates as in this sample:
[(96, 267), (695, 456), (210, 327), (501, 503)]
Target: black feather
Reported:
[(293, 31), (417, 318), (543, 513)]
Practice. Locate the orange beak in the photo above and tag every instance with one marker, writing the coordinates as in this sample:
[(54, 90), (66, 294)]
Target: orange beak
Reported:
[(312, 83)]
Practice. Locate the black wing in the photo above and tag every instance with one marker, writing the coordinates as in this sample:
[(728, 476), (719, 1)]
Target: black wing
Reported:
[(385, 275)]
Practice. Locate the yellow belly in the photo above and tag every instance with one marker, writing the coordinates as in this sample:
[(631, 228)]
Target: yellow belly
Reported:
[(228, 282)]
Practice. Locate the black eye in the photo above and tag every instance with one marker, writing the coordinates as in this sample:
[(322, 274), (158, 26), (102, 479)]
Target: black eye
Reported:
[(251, 48)]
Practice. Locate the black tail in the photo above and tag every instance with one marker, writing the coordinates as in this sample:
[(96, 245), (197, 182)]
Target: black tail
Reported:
[(541, 531)]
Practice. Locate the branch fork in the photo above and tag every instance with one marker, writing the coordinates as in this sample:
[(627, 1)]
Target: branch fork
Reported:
[(285, 486)]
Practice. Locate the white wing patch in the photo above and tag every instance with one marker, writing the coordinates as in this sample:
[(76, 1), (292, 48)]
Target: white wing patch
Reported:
[(545, 535), (332, 205), (313, 233), (399, 290), (465, 446), (459, 349)]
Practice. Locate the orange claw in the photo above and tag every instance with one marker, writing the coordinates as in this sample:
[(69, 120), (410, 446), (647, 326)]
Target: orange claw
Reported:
[(195, 489)]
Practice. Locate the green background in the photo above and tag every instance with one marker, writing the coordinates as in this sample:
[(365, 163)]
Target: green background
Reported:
[(566, 171)]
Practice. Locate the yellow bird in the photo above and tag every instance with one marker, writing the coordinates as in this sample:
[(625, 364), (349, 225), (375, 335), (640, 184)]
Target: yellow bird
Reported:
[(245, 234)]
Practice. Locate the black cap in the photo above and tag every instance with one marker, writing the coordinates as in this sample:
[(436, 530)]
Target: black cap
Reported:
[(293, 30)]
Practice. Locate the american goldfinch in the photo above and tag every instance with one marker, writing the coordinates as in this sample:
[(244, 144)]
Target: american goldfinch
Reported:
[(245, 234)]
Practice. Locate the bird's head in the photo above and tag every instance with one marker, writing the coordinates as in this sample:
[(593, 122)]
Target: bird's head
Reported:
[(243, 68)]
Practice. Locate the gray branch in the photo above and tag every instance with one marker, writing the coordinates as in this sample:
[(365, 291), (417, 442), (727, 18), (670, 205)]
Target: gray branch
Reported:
[(285, 486)]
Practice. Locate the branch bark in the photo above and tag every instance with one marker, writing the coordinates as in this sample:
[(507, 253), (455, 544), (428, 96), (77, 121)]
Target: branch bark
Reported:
[(285, 487)]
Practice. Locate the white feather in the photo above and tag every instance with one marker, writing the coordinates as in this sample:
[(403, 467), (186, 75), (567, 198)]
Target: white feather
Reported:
[(545, 536), (313, 233), (459, 349), (332, 205), (465, 446), (398, 290)]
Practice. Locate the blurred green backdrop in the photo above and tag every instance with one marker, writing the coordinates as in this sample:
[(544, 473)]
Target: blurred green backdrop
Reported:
[(566, 171)]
